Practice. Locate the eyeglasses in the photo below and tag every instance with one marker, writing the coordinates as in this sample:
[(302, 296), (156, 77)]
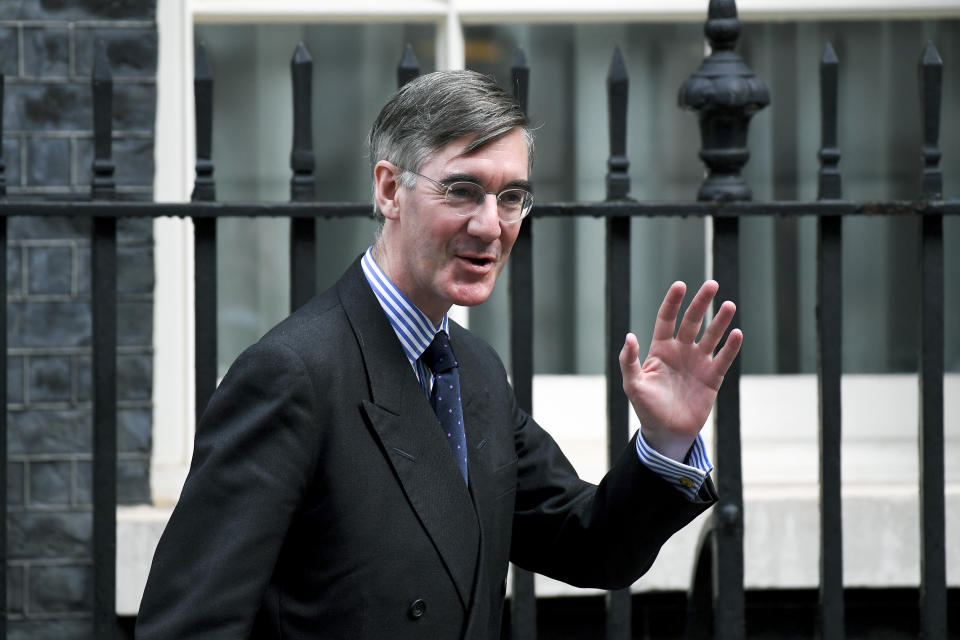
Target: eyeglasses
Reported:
[(466, 198)]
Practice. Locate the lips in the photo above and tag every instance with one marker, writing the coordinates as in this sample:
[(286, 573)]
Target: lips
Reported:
[(479, 263)]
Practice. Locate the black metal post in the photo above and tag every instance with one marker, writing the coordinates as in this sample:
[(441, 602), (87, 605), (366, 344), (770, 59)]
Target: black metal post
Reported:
[(409, 67), (617, 295), (829, 358), (104, 364), (725, 94), (303, 230), (204, 241), (933, 563), (523, 606), (3, 389), (728, 597), (3, 166)]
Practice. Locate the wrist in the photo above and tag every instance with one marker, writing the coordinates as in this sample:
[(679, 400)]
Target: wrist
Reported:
[(673, 447)]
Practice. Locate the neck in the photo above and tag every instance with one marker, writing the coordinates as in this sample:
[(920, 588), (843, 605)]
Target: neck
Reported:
[(381, 257)]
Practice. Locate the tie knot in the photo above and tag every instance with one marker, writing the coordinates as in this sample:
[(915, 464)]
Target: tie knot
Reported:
[(439, 356)]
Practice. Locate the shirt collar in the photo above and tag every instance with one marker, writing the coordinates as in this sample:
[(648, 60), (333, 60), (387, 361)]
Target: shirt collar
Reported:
[(412, 326)]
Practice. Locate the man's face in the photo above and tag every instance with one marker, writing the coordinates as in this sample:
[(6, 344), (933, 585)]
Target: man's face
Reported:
[(438, 258)]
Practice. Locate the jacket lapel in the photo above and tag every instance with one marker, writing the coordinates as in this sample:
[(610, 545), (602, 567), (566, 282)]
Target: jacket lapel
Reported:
[(411, 438)]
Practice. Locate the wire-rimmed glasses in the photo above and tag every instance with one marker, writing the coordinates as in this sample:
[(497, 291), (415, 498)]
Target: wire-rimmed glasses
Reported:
[(466, 198)]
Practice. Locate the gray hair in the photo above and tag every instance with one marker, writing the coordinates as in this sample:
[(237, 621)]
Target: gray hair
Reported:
[(428, 113)]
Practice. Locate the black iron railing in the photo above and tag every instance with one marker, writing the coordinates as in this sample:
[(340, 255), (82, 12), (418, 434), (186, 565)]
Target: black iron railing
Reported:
[(725, 94)]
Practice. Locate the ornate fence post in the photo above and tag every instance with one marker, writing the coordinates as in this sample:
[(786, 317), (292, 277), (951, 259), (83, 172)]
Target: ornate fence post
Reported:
[(104, 362), (725, 94)]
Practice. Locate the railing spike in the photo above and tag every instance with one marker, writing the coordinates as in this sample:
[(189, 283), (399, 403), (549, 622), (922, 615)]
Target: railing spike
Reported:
[(201, 67), (618, 85), (302, 162), (829, 183), (204, 188), (520, 79), (829, 55), (409, 67), (300, 54), (930, 70), (519, 58), (3, 166), (102, 186)]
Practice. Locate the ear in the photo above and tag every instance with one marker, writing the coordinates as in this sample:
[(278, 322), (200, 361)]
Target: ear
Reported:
[(387, 188)]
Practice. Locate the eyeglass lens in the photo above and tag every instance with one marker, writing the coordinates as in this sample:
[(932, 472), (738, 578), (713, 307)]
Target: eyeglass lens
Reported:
[(467, 197)]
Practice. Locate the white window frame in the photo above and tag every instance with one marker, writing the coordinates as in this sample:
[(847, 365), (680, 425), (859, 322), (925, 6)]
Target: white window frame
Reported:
[(173, 405)]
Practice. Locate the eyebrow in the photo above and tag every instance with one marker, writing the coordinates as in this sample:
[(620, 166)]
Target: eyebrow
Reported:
[(469, 177)]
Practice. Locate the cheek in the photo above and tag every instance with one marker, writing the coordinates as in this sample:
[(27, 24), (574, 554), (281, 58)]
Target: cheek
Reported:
[(508, 235)]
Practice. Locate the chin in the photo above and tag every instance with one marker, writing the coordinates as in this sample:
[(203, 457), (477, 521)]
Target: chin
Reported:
[(471, 296)]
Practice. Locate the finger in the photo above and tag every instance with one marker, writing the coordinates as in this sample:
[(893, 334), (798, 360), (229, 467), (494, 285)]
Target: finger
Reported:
[(669, 309), (693, 317), (629, 355), (728, 353), (714, 331)]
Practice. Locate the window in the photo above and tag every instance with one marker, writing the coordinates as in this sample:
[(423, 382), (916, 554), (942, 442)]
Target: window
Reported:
[(568, 105)]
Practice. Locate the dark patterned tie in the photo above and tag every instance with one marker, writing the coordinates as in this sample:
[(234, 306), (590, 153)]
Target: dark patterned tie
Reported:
[(445, 396)]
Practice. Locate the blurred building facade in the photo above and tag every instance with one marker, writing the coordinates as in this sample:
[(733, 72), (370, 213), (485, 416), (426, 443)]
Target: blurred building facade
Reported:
[(46, 55)]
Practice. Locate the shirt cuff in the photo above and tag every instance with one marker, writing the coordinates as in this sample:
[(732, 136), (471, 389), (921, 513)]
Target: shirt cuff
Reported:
[(687, 476)]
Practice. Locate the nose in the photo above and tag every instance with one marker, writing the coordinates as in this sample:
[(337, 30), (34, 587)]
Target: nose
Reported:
[(485, 223)]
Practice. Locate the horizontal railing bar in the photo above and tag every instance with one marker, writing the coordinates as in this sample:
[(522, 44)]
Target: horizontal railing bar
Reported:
[(187, 209), (548, 210), (736, 209)]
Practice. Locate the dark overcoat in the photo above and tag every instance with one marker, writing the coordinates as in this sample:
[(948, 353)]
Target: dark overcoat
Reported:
[(323, 500)]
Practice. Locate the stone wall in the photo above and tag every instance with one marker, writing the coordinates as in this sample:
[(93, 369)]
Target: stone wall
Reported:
[(46, 54)]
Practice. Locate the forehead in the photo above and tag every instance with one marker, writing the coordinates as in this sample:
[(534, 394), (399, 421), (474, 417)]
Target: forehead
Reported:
[(507, 154)]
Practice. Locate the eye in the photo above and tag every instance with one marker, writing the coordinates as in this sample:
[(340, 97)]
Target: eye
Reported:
[(464, 191), (512, 197)]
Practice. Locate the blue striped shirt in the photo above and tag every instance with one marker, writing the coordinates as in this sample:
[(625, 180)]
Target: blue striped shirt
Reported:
[(414, 329), (415, 332)]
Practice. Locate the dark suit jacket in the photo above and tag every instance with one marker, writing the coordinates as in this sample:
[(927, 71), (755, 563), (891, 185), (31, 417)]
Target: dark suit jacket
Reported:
[(323, 500)]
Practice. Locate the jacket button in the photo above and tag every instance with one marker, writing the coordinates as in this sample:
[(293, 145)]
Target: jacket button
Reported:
[(417, 608)]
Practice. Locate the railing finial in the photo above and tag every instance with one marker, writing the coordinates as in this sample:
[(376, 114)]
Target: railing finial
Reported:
[(102, 186), (618, 85), (409, 67), (930, 70), (204, 188), (828, 179), (302, 162), (725, 93), (3, 166), (520, 78), (722, 27)]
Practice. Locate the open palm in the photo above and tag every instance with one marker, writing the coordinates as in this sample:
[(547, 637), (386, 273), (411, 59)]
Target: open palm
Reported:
[(673, 389)]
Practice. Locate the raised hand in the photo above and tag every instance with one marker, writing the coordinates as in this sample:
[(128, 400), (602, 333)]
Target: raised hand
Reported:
[(673, 389)]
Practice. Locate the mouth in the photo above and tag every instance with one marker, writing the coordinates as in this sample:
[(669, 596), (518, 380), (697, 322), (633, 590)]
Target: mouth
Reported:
[(477, 262)]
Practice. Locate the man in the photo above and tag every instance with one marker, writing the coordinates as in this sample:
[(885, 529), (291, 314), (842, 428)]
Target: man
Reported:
[(346, 483)]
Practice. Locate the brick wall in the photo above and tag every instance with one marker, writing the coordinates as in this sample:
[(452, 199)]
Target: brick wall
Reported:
[(46, 54)]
